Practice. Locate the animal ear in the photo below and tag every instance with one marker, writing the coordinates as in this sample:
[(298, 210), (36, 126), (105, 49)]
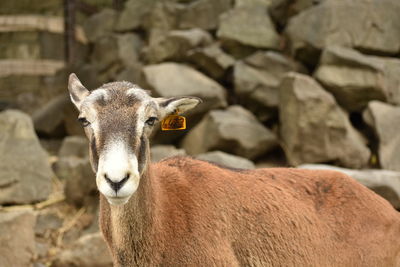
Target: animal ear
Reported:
[(77, 91), (178, 104)]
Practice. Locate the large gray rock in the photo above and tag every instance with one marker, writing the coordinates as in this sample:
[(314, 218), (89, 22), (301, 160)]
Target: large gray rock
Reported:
[(88, 251), (25, 175), (50, 116), (74, 146), (282, 10), (346, 23), (172, 79), (175, 45), (248, 26), (17, 238), (134, 14), (100, 24), (74, 167), (314, 128), (384, 119), (234, 130), (116, 49), (355, 79), (258, 3), (160, 152), (203, 14), (257, 78), (227, 160), (383, 182), (212, 60)]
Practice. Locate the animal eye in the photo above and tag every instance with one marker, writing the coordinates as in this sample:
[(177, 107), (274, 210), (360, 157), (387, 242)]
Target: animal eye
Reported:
[(84, 122), (151, 121)]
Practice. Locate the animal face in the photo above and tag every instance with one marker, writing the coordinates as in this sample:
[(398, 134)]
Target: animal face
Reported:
[(118, 119)]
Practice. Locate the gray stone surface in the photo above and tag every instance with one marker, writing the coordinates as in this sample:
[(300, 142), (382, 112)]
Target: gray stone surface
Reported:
[(257, 3), (116, 50), (175, 45), (17, 238), (227, 160), (100, 24), (134, 14), (80, 180), (160, 152), (257, 78), (172, 79), (384, 182), (314, 128), (88, 251), (26, 173), (346, 23), (74, 146), (249, 26), (50, 116), (212, 60), (384, 119), (234, 130), (355, 79), (203, 14)]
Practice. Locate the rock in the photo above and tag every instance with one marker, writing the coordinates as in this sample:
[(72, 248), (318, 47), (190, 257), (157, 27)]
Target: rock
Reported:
[(227, 160), (314, 128), (74, 167), (115, 50), (134, 14), (74, 146), (17, 239), (88, 251), (248, 26), (203, 14), (26, 173), (212, 60), (100, 24), (257, 3), (160, 152), (355, 79), (385, 183), (47, 221), (384, 119), (257, 79), (234, 130), (50, 116), (344, 23), (163, 18), (30, 7), (282, 10), (175, 44), (80, 180), (129, 46), (131, 74), (172, 79)]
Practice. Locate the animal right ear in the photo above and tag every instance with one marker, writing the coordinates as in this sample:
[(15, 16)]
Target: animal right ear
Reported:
[(77, 91)]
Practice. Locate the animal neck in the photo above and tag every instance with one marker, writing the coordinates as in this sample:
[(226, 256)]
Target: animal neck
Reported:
[(132, 225)]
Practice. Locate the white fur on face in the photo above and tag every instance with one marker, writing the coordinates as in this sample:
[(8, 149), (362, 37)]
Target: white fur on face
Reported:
[(116, 162)]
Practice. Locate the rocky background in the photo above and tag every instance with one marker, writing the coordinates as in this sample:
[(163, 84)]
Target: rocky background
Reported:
[(297, 83)]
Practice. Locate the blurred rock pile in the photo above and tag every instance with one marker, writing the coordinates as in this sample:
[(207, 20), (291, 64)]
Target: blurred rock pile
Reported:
[(284, 83)]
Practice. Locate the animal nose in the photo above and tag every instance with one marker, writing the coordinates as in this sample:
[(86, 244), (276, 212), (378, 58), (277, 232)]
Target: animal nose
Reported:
[(116, 185)]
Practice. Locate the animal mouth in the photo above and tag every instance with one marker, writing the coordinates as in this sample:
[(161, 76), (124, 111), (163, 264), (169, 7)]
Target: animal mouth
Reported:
[(116, 200)]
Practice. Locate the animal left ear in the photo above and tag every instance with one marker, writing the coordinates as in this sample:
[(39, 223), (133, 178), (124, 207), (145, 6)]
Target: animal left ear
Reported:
[(179, 104), (77, 91)]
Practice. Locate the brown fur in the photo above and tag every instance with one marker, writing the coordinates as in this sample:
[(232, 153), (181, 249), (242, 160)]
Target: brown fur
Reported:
[(188, 212)]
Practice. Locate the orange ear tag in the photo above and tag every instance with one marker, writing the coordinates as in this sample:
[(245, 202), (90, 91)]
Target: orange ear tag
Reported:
[(173, 122)]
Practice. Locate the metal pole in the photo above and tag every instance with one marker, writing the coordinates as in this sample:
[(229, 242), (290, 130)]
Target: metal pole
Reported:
[(69, 30)]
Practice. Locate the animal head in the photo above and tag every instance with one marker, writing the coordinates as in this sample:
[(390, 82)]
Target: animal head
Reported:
[(118, 118)]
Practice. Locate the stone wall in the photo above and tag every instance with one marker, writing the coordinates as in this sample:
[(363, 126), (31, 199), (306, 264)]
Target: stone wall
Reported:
[(284, 83)]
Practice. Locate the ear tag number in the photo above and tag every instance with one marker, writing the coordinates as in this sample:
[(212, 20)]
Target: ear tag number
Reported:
[(173, 122)]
